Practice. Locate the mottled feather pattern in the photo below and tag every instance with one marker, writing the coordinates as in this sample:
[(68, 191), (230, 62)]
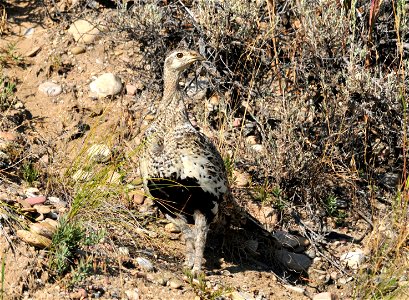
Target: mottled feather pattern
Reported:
[(180, 167), (184, 152)]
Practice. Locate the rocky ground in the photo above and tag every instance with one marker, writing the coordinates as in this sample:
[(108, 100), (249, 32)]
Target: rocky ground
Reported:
[(76, 106)]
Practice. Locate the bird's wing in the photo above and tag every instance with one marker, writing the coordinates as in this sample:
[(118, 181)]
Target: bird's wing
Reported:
[(184, 154), (199, 159)]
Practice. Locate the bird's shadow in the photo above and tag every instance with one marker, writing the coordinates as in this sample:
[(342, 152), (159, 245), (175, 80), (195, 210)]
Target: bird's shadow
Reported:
[(240, 250)]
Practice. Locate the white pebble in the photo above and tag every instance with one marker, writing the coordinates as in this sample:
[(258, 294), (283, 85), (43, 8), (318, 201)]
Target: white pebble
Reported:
[(257, 147), (50, 88), (353, 259), (107, 84), (144, 264), (84, 32)]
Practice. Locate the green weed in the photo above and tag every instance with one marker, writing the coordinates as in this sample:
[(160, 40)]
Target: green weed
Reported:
[(279, 202), (30, 173), (81, 270), (7, 89), (331, 206), (229, 165), (268, 195), (10, 55), (66, 241), (201, 288)]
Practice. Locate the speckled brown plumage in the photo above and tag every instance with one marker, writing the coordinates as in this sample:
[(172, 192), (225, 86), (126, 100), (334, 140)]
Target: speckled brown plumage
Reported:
[(180, 167)]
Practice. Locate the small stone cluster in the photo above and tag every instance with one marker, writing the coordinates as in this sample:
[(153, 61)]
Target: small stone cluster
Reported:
[(40, 214)]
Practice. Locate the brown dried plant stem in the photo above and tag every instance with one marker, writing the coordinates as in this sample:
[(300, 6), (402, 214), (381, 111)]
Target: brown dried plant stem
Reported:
[(401, 76), (272, 13)]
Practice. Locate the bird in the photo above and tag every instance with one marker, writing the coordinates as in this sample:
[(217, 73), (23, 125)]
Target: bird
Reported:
[(181, 168)]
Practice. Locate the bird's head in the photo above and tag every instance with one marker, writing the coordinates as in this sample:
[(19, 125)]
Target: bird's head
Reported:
[(179, 59)]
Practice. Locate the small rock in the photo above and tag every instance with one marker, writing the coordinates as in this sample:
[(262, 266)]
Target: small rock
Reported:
[(60, 210), (34, 239), (353, 259), (251, 140), (123, 251), (152, 234), (310, 252), (161, 280), (144, 264), (105, 85), (53, 215), (175, 283), (77, 50), (237, 122), (42, 209), (5, 197), (213, 103), (99, 153), (27, 209), (172, 228), (132, 294), (36, 200), (290, 241), (39, 217), (29, 32), (84, 32), (4, 157), (33, 52), (130, 89), (43, 228), (57, 202), (325, 296), (293, 261), (236, 295), (146, 209), (49, 88), (83, 293), (8, 136), (52, 222), (257, 148), (19, 105), (334, 275), (138, 197), (241, 179), (32, 192), (149, 117), (75, 296), (296, 289), (24, 203)]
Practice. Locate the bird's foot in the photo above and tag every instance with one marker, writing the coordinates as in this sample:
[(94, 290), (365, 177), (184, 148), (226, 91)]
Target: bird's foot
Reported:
[(193, 273), (189, 261), (197, 272)]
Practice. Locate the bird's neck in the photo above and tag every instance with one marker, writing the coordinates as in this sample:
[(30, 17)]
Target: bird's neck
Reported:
[(172, 101), (171, 83)]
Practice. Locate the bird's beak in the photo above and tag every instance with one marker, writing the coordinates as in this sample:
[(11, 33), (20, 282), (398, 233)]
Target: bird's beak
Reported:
[(196, 57)]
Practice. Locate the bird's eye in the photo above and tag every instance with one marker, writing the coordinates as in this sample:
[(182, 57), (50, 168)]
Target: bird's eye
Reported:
[(179, 55)]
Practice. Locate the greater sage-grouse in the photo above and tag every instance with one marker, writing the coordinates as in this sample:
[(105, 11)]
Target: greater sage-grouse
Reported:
[(181, 168)]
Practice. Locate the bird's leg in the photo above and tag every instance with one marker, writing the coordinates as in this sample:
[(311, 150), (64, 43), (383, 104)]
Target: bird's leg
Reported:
[(201, 229), (188, 234)]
